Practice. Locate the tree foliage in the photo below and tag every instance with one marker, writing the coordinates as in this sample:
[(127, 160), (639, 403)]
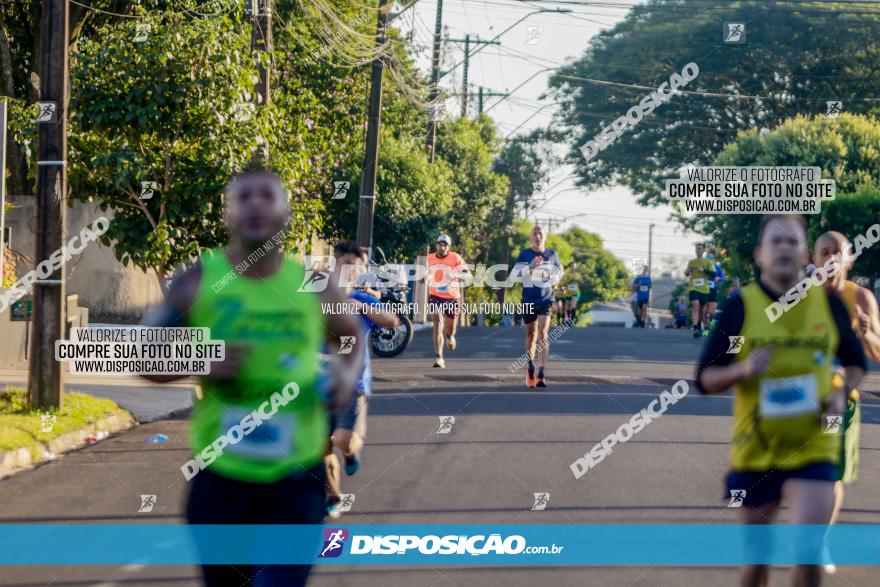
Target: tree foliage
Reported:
[(793, 60)]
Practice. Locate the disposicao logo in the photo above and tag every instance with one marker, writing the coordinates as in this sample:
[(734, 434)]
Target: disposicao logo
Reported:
[(334, 541)]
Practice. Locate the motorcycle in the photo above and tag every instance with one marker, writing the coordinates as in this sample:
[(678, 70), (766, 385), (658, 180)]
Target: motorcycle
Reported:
[(390, 342)]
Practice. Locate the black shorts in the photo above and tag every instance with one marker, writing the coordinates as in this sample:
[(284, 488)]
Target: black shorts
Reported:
[(537, 309), (642, 303), (703, 298), (713, 294), (296, 499), (353, 417), (446, 306), (763, 487)]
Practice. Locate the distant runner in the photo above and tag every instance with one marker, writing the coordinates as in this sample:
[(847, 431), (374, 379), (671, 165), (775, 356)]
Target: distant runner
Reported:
[(444, 296), (782, 381), (865, 321), (543, 265), (273, 335), (681, 312), (349, 425), (641, 286), (567, 293), (699, 271), (714, 285)]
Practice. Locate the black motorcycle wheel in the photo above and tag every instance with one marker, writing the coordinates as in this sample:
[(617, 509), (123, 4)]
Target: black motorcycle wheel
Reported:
[(390, 342)]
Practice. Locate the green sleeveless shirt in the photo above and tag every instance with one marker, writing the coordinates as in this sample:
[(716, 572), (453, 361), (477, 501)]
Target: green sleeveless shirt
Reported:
[(284, 330)]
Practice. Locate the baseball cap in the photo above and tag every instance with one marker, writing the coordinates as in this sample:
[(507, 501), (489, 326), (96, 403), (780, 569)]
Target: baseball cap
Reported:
[(444, 238)]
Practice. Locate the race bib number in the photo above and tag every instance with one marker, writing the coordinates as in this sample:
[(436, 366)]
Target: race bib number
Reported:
[(643, 288), (711, 284), (572, 287), (789, 396), (271, 440), (699, 282), (443, 288)]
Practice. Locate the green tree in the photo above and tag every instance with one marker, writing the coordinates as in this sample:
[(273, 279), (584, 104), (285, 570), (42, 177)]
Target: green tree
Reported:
[(844, 148), (657, 38), (852, 214)]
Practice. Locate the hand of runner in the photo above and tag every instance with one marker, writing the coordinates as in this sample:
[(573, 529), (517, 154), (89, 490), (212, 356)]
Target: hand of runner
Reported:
[(536, 261), (758, 361), (233, 359), (834, 405), (864, 323), (341, 383)]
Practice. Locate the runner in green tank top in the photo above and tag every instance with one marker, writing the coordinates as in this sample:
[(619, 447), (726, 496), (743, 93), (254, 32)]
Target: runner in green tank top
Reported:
[(863, 312), (259, 431)]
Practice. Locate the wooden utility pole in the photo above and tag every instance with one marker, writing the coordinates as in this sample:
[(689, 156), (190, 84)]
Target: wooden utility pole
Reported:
[(367, 202), (45, 378), (261, 41), (464, 79), (435, 80), (2, 182)]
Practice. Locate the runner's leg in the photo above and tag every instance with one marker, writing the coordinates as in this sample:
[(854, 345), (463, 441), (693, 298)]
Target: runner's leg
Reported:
[(543, 328), (438, 334), (809, 502), (757, 575)]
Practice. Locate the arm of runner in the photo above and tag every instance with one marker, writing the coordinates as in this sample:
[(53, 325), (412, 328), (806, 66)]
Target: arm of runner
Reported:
[(375, 313), (345, 371), (849, 349), (171, 313), (869, 323), (716, 370)]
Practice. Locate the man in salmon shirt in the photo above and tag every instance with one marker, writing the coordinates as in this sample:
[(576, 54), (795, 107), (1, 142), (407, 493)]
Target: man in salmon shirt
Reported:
[(444, 297)]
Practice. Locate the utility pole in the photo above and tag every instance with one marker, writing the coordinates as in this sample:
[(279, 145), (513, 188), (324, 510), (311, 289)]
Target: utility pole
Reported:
[(464, 78), (367, 203), (2, 182), (467, 57), (45, 378), (261, 41), (650, 244), (435, 79), (484, 94)]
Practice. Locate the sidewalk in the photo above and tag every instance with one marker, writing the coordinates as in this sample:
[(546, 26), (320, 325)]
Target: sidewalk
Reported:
[(145, 400)]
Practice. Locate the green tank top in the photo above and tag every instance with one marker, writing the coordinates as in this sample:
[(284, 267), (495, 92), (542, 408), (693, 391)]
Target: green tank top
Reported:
[(777, 416), (285, 330)]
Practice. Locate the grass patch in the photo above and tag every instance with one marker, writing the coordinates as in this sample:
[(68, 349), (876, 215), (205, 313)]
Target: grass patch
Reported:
[(20, 427)]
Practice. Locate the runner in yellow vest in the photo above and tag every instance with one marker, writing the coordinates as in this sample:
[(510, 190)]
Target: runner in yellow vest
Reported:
[(865, 321), (265, 309), (699, 271), (781, 375)]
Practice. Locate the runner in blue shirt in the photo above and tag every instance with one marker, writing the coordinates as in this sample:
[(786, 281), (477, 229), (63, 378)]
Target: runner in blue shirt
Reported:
[(543, 268), (349, 425), (642, 286)]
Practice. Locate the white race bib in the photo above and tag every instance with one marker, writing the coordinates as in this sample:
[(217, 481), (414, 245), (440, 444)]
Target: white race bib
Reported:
[(572, 287), (272, 439), (789, 396), (643, 288), (699, 282)]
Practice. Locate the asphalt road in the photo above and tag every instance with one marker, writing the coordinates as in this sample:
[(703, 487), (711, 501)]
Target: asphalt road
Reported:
[(507, 443)]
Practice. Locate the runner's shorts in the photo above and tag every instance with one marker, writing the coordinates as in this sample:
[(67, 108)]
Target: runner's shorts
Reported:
[(703, 298), (847, 470), (445, 306), (352, 417), (537, 309), (763, 487), (713, 294)]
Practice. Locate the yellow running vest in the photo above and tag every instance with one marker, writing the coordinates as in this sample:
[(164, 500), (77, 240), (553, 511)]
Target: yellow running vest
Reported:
[(777, 416)]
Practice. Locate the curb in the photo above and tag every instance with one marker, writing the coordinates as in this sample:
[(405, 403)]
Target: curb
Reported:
[(20, 458)]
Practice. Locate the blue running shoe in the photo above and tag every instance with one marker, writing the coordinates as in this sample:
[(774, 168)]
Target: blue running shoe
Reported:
[(352, 464)]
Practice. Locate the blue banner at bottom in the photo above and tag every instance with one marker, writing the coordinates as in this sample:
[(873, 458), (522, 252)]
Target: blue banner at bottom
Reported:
[(439, 544)]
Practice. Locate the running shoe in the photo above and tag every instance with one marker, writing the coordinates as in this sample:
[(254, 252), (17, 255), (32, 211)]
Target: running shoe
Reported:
[(697, 333), (450, 343), (706, 332), (530, 379), (828, 565), (439, 362), (541, 381), (332, 507), (352, 464)]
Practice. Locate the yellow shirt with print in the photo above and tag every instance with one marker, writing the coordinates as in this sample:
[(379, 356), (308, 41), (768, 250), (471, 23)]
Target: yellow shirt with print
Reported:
[(698, 280)]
